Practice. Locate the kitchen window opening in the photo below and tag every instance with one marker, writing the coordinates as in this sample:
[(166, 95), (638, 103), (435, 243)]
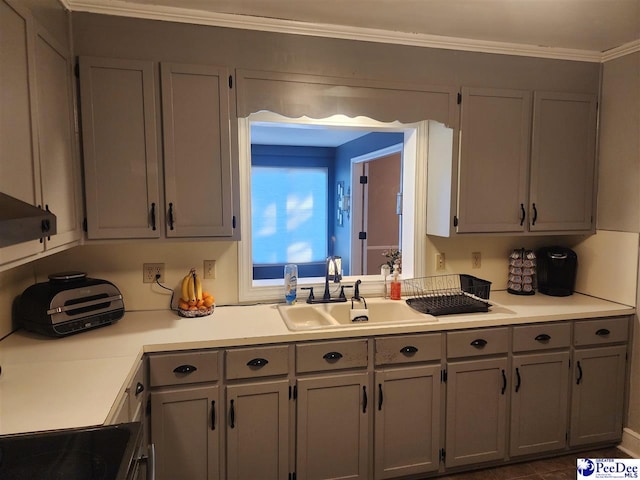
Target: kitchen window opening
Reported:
[(257, 216)]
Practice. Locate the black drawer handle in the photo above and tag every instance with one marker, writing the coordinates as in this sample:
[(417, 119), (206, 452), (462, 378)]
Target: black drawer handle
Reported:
[(257, 362), (380, 397), (332, 356), (185, 369), (213, 414), (139, 388), (408, 350), (479, 343), (504, 383), (518, 379), (522, 214), (232, 415), (603, 332), (543, 337)]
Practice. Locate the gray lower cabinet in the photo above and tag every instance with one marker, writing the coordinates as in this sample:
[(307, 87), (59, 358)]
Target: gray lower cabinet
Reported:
[(540, 388), (407, 421), (597, 394), (333, 427), (476, 411), (185, 431)]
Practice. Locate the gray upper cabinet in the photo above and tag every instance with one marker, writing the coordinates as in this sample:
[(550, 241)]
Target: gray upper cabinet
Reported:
[(562, 162), (120, 148), (494, 159), (37, 137), (197, 155), (522, 168)]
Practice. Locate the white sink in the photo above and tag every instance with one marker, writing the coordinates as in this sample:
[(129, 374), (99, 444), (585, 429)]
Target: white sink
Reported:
[(336, 315)]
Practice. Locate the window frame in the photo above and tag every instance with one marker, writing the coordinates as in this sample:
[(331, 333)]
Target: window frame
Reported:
[(414, 232)]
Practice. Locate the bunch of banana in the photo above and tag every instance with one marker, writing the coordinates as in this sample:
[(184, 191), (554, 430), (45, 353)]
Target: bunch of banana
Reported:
[(193, 298)]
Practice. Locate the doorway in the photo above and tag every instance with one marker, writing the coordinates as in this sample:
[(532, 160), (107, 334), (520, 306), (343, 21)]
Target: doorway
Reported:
[(377, 209)]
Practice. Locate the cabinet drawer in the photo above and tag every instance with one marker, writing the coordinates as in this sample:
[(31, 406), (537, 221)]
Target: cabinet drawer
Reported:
[(408, 348), (543, 336), (469, 343), (136, 394), (313, 357), (257, 362), (599, 332), (182, 368)]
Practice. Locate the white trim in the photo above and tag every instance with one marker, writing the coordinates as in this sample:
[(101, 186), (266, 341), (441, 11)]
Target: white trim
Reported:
[(383, 152), (247, 22), (630, 443), (621, 51)]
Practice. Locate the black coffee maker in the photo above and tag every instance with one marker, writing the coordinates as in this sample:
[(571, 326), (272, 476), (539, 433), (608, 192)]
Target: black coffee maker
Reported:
[(557, 268)]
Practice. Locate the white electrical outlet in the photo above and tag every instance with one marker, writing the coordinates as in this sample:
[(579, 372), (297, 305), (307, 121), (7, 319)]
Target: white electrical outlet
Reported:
[(209, 269), (440, 262), (476, 260), (150, 270)]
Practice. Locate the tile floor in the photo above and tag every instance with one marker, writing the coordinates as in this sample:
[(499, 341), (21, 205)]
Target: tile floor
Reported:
[(558, 468)]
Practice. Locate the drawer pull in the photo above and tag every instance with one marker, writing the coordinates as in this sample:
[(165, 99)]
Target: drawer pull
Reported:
[(603, 332), (518, 379), (543, 337), (380, 398), (332, 356), (408, 350), (186, 369), (479, 343), (213, 414), (257, 362), (504, 383), (139, 388)]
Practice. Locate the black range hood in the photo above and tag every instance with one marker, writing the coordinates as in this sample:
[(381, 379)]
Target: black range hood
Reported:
[(21, 221)]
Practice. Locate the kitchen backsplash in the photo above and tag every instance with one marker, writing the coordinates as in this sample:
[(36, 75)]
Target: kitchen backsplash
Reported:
[(607, 266)]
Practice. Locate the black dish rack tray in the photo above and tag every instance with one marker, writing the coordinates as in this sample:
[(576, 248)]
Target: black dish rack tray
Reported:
[(448, 294)]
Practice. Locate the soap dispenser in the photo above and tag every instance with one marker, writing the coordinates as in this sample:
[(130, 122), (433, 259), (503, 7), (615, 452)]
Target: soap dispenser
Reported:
[(396, 286)]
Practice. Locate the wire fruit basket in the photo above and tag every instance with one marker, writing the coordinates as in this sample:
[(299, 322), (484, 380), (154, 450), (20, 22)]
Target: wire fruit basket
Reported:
[(448, 294)]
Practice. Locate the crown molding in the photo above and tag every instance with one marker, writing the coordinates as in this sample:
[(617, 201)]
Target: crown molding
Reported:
[(182, 15), (621, 51)]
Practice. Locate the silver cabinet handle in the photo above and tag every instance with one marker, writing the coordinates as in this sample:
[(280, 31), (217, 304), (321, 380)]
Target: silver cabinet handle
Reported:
[(151, 463)]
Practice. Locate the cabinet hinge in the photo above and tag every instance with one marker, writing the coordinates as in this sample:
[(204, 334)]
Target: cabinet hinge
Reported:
[(85, 225), (364, 179), (443, 455), (443, 376), (459, 98), (362, 235), (230, 81), (455, 220), (233, 221)]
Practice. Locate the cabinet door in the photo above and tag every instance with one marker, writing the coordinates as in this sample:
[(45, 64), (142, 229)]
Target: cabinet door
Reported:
[(540, 391), (120, 150), (407, 421), (333, 427), (598, 395), (494, 159), (184, 429), (476, 411), (258, 430), (197, 155), (19, 170), (56, 138), (562, 162)]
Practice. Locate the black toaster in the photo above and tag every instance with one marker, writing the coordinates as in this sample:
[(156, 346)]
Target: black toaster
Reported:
[(70, 302)]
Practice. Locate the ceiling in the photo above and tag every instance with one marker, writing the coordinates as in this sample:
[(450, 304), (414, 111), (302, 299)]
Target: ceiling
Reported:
[(584, 25)]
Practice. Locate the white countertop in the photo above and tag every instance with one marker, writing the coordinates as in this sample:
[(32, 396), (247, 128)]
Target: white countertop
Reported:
[(49, 383)]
